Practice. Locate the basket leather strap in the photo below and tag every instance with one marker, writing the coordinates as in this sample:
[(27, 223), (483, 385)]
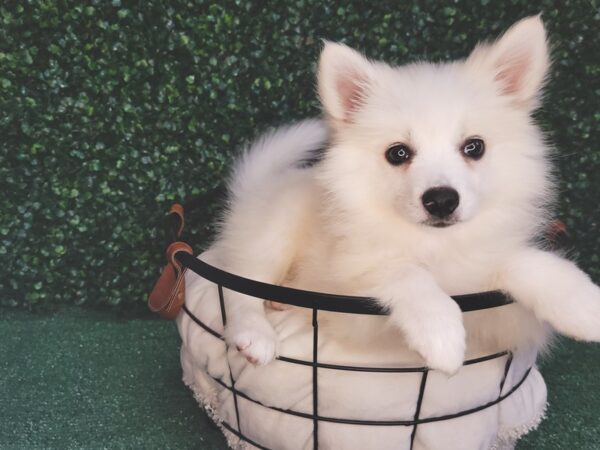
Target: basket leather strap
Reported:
[(168, 294)]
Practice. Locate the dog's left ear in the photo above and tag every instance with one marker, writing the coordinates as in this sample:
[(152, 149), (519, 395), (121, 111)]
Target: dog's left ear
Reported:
[(518, 61)]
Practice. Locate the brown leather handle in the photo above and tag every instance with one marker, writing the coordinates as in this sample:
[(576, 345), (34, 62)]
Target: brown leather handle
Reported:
[(557, 235), (168, 294), (177, 210)]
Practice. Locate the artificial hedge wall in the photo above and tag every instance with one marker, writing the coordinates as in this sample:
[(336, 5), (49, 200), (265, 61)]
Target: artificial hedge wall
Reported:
[(111, 110)]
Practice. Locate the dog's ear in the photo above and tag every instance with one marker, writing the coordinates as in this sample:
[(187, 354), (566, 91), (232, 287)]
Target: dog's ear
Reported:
[(344, 80), (518, 61)]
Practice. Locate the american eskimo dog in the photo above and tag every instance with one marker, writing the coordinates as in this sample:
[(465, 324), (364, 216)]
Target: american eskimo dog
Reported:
[(435, 181)]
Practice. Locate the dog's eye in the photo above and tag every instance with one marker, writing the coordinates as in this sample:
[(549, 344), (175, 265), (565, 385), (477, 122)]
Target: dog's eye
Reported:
[(398, 154), (473, 148)]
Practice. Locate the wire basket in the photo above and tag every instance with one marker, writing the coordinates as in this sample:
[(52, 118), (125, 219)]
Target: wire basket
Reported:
[(316, 302)]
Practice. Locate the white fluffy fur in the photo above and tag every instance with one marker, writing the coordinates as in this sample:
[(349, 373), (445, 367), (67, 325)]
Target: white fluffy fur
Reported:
[(354, 224)]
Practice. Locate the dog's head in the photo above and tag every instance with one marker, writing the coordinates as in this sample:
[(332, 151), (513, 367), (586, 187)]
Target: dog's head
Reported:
[(437, 144)]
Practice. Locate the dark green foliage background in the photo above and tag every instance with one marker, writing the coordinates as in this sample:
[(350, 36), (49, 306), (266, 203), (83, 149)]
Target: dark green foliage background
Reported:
[(111, 110)]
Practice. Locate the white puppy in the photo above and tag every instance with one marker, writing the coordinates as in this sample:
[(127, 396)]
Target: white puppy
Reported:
[(435, 182)]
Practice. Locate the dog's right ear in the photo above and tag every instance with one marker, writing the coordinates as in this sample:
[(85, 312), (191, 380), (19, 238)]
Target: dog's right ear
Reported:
[(344, 80)]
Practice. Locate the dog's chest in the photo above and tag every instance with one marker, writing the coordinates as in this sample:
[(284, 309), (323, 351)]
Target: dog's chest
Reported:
[(466, 273), (351, 266)]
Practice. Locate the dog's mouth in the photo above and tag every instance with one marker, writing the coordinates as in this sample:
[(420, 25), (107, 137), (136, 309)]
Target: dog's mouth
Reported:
[(440, 223)]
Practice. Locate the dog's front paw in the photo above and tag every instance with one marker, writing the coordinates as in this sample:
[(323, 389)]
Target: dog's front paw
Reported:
[(435, 330), (580, 317), (442, 345), (253, 336)]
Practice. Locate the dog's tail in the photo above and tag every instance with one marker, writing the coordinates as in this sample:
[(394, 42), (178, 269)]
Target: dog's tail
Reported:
[(274, 154)]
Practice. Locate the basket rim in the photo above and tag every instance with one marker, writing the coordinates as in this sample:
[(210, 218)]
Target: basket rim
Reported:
[(322, 300)]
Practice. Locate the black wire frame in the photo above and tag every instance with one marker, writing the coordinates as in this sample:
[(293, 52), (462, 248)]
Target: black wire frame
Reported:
[(337, 303)]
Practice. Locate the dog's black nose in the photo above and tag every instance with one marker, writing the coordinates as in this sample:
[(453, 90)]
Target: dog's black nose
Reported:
[(440, 201)]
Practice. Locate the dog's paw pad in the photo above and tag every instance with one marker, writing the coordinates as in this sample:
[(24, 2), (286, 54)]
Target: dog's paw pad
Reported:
[(242, 346), (257, 346), (253, 337), (277, 306)]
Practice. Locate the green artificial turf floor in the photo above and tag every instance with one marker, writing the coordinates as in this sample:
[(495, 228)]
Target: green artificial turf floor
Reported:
[(81, 379)]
